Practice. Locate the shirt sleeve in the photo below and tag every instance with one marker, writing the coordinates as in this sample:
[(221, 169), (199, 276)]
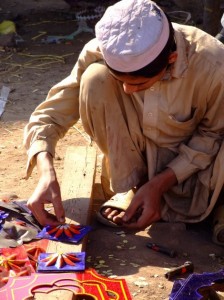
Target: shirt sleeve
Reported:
[(202, 148), (53, 117)]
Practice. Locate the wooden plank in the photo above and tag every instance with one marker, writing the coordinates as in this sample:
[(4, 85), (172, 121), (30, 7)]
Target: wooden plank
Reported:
[(76, 190)]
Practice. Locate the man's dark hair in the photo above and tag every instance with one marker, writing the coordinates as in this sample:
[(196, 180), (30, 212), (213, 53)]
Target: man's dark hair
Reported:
[(157, 65)]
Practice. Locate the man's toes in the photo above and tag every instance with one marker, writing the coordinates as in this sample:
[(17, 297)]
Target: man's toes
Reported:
[(113, 215), (109, 213), (118, 217), (106, 211)]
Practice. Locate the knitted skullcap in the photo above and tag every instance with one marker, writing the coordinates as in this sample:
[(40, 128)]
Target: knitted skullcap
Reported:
[(131, 34)]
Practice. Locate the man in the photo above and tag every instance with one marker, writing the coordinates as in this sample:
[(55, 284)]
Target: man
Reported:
[(152, 98)]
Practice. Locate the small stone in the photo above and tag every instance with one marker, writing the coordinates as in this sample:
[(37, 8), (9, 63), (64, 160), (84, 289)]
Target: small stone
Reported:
[(113, 276), (141, 278), (212, 255), (141, 284), (101, 262), (98, 266), (134, 265), (161, 286), (120, 232)]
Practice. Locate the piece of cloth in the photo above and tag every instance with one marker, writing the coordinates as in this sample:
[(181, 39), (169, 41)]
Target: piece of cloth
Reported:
[(17, 225), (177, 123), (13, 234), (18, 210), (131, 34)]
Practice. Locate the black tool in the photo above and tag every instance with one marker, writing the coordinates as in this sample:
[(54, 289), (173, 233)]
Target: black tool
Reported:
[(187, 267), (162, 249)]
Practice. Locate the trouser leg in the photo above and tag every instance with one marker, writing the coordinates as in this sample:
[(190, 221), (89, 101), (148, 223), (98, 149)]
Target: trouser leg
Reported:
[(110, 118)]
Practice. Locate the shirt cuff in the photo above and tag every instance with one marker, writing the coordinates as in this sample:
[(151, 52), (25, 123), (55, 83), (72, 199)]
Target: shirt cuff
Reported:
[(182, 168)]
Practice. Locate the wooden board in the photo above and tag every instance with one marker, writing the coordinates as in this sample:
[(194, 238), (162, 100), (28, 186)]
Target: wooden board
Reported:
[(76, 190)]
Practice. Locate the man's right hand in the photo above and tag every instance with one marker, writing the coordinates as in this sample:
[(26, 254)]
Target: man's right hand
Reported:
[(47, 191)]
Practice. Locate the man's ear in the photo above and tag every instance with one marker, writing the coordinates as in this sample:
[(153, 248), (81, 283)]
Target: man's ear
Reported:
[(173, 57)]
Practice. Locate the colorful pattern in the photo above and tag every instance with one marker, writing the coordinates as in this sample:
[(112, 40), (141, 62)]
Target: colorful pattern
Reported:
[(33, 252), (87, 283), (63, 262), (194, 287), (13, 263), (4, 276), (67, 230), (65, 233)]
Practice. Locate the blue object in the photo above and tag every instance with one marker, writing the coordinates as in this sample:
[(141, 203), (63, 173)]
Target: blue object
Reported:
[(61, 264), (75, 233), (3, 216), (188, 289)]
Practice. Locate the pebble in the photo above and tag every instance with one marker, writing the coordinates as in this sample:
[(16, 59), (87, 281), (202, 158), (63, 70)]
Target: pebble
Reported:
[(141, 284)]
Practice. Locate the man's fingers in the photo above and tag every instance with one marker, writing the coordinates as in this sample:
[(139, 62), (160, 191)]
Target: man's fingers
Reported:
[(59, 211), (131, 211), (137, 222), (141, 220), (48, 219), (38, 212), (51, 220), (44, 217)]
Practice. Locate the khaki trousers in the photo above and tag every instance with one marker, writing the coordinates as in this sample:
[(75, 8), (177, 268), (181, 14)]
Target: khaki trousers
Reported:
[(109, 116)]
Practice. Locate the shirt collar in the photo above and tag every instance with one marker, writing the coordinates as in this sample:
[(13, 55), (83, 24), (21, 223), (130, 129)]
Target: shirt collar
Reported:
[(177, 69), (180, 66)]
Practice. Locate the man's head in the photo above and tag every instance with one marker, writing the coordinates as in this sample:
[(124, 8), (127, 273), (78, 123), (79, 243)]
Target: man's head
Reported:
[(136, 38)]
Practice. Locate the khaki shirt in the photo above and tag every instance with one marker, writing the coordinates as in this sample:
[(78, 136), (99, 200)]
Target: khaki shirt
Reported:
[(183, 113)]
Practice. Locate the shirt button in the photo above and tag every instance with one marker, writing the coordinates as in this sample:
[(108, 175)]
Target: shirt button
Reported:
[(152, 88), (150, 114)]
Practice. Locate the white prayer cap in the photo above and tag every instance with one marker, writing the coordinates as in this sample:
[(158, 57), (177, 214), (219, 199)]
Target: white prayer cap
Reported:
[(222, 20), (131, 34)]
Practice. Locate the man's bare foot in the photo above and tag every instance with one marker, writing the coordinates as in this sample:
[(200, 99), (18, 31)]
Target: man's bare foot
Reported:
[(113, 210)]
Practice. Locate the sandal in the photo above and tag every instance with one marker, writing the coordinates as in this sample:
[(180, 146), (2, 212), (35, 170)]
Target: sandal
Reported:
[(120, 202)]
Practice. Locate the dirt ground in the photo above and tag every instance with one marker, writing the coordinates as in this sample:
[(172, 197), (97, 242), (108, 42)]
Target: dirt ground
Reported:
[(29, 70)]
